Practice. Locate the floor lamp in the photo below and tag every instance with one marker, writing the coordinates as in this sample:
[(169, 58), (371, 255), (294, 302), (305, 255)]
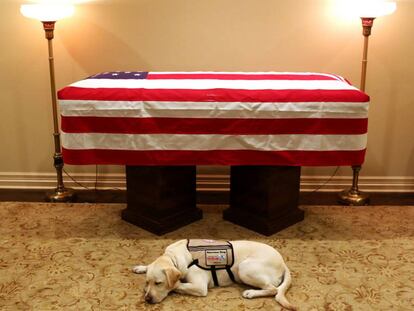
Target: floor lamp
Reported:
[(368, 11), (48, 14)]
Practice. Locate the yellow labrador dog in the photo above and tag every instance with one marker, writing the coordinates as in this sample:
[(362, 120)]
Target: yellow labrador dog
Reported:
[(255, 264)]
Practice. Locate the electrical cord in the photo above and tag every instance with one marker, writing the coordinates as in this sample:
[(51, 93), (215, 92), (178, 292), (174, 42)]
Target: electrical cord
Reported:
[(75, 181), (324, 184), (95, 188), (96, 181)]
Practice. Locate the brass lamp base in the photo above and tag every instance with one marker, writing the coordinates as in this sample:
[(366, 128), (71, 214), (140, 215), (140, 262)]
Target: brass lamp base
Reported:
[(61, 195), (353, 197)]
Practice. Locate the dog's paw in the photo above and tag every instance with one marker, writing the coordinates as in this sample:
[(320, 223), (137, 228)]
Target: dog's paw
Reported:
[(249, 293), (139, 269)]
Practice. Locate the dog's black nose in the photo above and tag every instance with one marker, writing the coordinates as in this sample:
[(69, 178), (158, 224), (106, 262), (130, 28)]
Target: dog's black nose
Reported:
[(148, 299)]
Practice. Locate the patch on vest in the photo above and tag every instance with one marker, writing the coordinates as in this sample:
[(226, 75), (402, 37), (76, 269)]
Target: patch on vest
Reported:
[(210, 253), (216, 258)]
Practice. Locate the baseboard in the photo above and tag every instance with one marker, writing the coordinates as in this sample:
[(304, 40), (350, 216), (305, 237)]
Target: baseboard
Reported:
[(366, 183), (205, 182), (322, 183), (17, 180)]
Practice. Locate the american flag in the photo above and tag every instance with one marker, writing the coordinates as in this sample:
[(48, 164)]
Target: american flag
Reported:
[(213, 118)]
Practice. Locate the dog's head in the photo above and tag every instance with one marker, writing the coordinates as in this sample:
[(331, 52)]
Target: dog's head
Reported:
[(162, 278)]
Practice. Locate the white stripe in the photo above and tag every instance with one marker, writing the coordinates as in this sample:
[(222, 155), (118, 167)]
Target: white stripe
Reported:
[(213, 142), (276, 73), (206, 84), (93, 108)]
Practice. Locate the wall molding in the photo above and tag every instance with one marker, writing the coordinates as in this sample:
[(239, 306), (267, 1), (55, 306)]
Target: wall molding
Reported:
[(366, 183), (16, 180), (205, 182)]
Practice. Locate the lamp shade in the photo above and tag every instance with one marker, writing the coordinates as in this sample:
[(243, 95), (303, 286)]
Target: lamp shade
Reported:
[(47, 12), (373, 9)]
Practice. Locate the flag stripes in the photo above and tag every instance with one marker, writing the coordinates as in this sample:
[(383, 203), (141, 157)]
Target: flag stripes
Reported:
[(128, 125), (213, 142), (212, 157), (252, 110), (213, 118)]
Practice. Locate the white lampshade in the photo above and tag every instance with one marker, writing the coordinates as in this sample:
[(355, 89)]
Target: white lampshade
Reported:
[(375, 8), (47, 12), (351, 9)]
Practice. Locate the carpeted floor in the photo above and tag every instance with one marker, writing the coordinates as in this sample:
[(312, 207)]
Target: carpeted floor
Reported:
[(79, 256)]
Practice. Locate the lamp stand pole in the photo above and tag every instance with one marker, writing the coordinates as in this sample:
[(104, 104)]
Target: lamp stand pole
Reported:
[(60, 194), (353, 196)]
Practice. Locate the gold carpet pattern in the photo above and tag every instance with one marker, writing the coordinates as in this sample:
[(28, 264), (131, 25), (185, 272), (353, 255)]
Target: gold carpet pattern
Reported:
[(79, 257)]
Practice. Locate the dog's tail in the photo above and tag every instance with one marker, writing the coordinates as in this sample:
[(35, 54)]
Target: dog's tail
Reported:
[(281, 291)]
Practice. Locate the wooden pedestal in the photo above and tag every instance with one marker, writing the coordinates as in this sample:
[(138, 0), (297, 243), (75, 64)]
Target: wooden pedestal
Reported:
[(161, 199), (264, 198)]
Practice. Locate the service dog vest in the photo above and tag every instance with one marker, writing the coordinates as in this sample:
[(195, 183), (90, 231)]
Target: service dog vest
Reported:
[(212, 255)]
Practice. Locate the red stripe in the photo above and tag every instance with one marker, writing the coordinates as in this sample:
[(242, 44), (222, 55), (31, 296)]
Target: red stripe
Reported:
[(234, 157), (211, 95), (212, 126), (235, 76)]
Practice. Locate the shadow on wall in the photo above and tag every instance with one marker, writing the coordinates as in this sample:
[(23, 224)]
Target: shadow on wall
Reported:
[(189, 35), (96, 49)]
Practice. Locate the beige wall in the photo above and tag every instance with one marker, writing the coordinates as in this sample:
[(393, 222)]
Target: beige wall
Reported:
[(226, 35)]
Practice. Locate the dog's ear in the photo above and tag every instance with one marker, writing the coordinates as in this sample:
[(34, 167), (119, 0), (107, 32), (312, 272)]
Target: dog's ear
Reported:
[(173, 275)]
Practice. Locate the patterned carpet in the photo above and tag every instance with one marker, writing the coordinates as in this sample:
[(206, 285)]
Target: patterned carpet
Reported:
[(79, 256)]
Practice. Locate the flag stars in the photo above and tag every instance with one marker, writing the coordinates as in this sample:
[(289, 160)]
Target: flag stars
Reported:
[(120, 75)]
